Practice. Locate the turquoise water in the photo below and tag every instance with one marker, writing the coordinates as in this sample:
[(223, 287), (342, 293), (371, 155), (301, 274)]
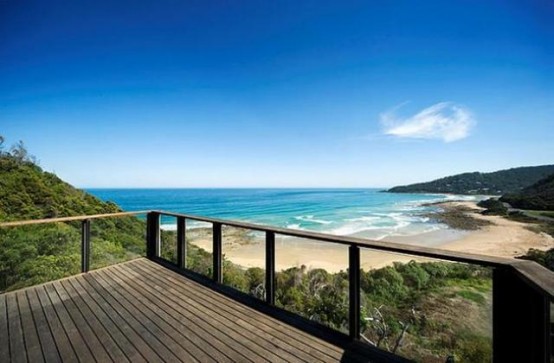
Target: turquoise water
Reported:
[(361, 212)]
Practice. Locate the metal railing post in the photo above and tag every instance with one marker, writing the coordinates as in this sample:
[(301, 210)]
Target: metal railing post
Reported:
[(354, 291), (85, 245), (217, 253), (181, 243), (521, 320), (152, 235), (270, 267)]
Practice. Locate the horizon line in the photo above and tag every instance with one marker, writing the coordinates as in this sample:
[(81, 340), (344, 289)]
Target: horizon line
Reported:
[(234, 187)]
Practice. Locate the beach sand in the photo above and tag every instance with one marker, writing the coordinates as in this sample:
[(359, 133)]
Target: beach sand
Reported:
[(503, 238)]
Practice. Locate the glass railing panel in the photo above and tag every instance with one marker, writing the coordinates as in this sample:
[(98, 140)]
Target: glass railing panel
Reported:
[(199, 246), (168, 238), (312, 280), (34, 254), (426, 309), (116, 239), (244, 260)]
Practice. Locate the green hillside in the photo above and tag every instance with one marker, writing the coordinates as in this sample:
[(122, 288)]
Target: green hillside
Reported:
[(38, 253), (539, 196), (28, 192), (495, 183)]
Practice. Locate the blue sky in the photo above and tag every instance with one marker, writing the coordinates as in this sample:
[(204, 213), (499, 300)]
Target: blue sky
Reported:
[(277, 94)]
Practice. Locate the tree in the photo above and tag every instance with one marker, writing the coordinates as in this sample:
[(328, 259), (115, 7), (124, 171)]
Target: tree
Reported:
[(256, 281), (19, 152)]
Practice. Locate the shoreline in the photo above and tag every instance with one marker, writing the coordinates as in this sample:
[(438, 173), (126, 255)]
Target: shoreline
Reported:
[(495, 236)]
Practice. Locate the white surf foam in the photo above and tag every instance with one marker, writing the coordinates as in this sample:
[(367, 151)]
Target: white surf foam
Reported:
[(363, 219), (168, 227), (293, 226), (311, 218)]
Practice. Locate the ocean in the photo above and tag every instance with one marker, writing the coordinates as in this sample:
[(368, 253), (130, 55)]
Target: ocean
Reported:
[(365, 213)]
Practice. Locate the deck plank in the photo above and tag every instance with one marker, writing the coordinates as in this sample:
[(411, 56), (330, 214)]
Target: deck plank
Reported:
[(154, 326), (65, 349), (240, 311), (250, 319), (153, 337), (175, 326), (214, 322), (32, 343), (119, 346), (263, 347), (4, 332), (75, 336), (47, 343), (138, 342), (205, 332), (289, 334), (88, 336), (17, 341), (140, 311)]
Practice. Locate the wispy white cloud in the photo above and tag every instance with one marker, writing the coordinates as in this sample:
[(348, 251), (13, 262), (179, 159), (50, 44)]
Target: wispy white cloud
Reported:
[(443, 121)]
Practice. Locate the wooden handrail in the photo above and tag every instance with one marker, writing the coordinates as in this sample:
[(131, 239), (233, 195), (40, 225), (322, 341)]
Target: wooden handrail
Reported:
[(69, 219), (538, 277)]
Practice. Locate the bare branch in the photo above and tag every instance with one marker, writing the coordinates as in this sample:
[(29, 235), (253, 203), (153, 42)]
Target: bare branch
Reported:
[(367, 340)]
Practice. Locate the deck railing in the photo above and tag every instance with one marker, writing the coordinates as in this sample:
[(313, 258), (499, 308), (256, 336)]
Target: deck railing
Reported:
[(522, 290)]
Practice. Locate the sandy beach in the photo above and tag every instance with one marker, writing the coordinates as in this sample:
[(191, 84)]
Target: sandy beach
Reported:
[(502, 238)]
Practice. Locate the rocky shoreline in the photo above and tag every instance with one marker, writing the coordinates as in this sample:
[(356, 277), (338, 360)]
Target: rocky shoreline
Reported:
[(458, 216)]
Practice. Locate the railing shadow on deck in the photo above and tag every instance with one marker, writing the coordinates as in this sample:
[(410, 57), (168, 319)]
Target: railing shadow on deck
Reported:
[(522, 290)]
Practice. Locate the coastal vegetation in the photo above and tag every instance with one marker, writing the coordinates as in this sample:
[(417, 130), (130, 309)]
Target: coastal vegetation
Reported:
[(495, 183), (493, 206), (539, 196), (38, 253)]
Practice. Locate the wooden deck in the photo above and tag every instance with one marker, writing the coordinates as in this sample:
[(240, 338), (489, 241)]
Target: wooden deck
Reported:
[(140, 311)]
